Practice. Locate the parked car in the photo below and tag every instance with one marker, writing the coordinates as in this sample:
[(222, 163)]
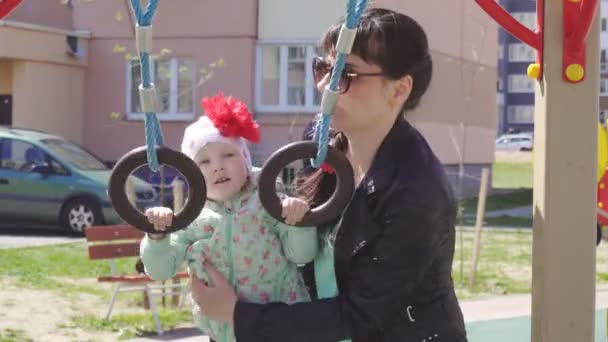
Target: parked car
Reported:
[(48, 180), (515, 142)]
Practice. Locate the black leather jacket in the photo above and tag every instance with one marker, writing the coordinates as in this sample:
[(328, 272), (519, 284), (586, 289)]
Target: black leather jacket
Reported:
[(393, 260)]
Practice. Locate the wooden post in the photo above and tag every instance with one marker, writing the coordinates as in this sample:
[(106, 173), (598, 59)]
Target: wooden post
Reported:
[(565, 167), (178, 195), (178, 203), (130, 191), (481, 208)]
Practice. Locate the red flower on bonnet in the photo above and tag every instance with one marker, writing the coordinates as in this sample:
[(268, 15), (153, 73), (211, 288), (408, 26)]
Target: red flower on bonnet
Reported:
[(231, 117)]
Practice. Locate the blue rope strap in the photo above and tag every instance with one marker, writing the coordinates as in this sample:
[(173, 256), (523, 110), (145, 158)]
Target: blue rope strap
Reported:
[(154, 135), (354, 10)]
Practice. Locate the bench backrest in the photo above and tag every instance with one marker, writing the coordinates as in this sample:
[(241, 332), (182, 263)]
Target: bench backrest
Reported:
[(111, 242)]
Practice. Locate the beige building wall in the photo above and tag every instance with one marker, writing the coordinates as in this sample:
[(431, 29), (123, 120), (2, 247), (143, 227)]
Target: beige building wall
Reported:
[(203, 30), (297, 20), (41, 44), (6, 77), (49, 97), (463, 90), (460, 108), (49, 13), (45, 80), (111, 137)]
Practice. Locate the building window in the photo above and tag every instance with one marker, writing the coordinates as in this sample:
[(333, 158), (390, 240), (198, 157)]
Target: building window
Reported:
[(501, 51), (174, 80), (520, 84), (519, 52), (604, 86), (284, 80), (520, 114), (603, 24), (528, 19)]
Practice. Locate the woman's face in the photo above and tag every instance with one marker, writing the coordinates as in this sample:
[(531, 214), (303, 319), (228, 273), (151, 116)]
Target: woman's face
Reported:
[(367, 98)]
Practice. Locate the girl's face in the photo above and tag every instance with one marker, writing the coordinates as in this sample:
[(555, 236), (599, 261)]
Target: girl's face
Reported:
[(224, 168)]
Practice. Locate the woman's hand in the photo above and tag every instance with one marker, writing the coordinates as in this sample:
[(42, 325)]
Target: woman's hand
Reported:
[(217, 302)]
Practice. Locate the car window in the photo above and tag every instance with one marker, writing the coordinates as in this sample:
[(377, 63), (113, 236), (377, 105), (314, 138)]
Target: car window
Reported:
[(21, 156), (73, 155), (58, 168)]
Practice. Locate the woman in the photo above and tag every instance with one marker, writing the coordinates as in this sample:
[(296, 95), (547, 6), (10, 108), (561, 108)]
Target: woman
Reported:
[(394, 246)]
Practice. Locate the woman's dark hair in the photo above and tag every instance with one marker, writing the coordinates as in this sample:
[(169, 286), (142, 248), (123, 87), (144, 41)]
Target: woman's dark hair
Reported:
[(316, 185), (393, 41)]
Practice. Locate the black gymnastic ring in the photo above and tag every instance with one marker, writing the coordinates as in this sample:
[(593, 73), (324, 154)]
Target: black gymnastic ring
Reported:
[(323, 213), (197, 190)]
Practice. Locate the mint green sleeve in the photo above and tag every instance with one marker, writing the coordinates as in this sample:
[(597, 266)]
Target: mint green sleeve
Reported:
[(300, 244), (163, 258)]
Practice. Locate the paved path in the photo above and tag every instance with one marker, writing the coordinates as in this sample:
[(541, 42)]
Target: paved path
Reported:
[(11, 237)]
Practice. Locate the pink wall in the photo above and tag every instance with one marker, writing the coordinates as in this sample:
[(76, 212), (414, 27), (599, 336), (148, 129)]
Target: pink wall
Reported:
[(106, 90), (183, 18), (45, 13), (201, 32)]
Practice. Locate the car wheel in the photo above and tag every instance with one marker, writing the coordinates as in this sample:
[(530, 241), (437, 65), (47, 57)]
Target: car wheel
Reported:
[(80, 214)]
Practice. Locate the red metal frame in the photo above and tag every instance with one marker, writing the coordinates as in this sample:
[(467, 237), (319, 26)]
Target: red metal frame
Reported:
[(533, 38), (578, 16), (6, 7)]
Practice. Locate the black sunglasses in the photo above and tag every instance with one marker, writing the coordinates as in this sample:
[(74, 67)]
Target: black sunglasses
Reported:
[(320, 68)]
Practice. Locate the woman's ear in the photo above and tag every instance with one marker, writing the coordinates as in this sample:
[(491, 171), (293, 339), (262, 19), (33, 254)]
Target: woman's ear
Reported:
[(402, 89)]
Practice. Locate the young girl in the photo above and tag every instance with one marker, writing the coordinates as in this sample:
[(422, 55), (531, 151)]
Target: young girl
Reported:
[(257, 254)]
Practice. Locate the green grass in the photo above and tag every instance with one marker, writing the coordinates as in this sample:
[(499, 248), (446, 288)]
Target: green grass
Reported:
[(501, 221), (128, 326), (11, 335), (66, 270), (500, 201), (516, 198), (516, 176), (512, 175), (43, 267), (505, 263), (505, 267)]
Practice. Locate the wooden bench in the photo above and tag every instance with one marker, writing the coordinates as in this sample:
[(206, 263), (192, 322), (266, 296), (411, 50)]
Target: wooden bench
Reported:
[(120, 241)]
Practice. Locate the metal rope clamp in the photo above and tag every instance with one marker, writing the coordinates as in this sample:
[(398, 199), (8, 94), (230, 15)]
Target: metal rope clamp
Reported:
[(197, 190)]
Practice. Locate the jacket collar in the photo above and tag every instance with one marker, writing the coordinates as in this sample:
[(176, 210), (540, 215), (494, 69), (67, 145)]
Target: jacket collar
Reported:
[(389, 156)]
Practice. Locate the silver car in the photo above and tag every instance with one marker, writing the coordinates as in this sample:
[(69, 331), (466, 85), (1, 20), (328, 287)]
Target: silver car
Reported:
[(515, 142)]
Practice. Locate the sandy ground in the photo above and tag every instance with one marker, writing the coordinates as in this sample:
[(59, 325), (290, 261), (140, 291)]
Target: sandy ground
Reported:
[(44, 316)]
